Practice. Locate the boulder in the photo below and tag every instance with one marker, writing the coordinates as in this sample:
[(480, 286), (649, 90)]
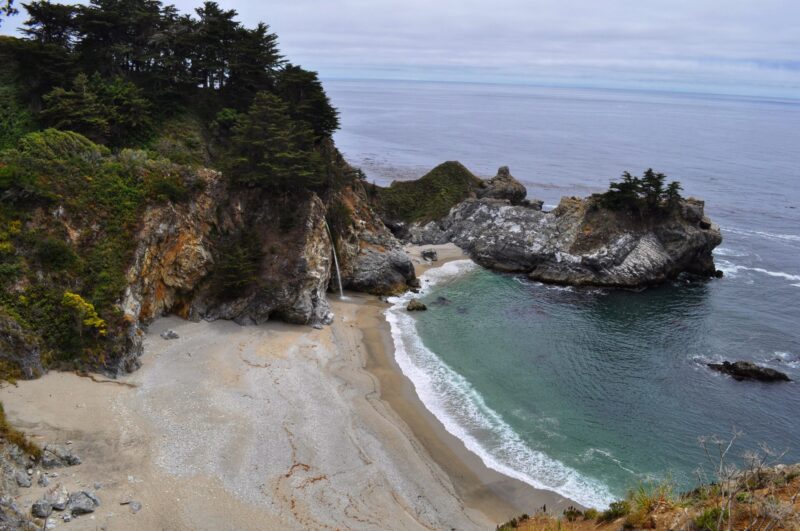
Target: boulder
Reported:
[(55, 455), (415, 305), (41, 508), (430, 255), (503, 186), (82, 503), (169, 334), (745, 370), (371, 258), (22, 478), (58, 498)]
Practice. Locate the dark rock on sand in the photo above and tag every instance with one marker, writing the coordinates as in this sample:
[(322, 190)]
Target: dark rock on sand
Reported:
[(42, 508), (745, 370), (430, 254), (82, 503), (169, 334)]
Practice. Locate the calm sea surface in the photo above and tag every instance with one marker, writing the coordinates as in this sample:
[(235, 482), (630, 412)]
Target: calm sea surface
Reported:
[(589, 392)]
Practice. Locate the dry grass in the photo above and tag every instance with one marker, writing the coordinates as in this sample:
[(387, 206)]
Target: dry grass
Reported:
[(13, 436)]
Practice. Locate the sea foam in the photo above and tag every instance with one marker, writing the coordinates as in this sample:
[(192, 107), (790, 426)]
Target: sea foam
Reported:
[(465, 414)]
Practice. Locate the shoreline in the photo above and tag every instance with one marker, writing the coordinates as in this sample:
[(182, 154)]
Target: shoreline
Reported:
[(495, 494), (277, 425)]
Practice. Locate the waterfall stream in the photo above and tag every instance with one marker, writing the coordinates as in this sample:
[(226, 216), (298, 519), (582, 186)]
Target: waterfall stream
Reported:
[(335, 260)]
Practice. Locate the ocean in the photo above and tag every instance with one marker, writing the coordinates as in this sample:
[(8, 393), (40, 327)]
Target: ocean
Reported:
[(592, 392)]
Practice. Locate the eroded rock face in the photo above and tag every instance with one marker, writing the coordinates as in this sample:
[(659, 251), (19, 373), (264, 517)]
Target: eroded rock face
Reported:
[(181, 245), (503, 186), (19, 348), (371, 258), (580, 242)]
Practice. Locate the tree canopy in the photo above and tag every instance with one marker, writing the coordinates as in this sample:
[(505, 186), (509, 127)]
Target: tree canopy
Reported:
[(646, 193), (111, 69)]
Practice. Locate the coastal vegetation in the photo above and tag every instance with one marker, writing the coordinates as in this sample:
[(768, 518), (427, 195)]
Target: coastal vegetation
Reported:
[(112, 107), (429, 197), (758, 494), (647, 194)]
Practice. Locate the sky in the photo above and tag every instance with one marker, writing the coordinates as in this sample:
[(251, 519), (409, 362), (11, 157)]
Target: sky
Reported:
[(747, 47)]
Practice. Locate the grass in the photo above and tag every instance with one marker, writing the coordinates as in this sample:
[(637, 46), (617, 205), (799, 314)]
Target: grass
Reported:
[(11, 435), (429, 197)]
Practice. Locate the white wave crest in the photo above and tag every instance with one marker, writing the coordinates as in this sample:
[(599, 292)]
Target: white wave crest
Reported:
[(465, 414), (768, 235), (730, 269)]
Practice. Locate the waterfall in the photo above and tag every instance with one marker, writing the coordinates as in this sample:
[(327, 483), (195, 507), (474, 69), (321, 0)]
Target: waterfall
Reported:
[(335, 260)]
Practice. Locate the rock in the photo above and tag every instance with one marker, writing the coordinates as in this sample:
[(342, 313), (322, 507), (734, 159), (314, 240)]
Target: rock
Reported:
[(58, 498), (719, 273), (169, 334), (135, 507), (745, 370), (535, 204), (44, 481), (503, 186), (82, 503), (56, 456), (179, 247), (19, 348), (415, 305), (42, 508), (22, 478), (12, 518), (579, 243), (442, 301), (371, 258), (430, 254), (66, 517)]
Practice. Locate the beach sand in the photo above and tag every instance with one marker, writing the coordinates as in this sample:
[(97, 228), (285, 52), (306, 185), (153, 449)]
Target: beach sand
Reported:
[(266, 427)]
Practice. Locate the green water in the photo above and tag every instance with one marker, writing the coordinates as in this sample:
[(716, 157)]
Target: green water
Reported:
[(609, 387)]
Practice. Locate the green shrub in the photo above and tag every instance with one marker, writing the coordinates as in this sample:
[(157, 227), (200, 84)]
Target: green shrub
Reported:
[(709, 519), (430, 197), (54, 255), (238, 264), (15, 119), (615, 510), (591, 514), (571, 513)]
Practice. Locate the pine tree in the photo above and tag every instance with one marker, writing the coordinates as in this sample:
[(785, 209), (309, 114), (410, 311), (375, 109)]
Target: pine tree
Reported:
[(307, 100), (269, 149), (50, 23)]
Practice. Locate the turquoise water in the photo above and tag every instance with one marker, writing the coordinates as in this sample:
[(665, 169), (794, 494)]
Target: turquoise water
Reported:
[(590, 392), (612, 384)]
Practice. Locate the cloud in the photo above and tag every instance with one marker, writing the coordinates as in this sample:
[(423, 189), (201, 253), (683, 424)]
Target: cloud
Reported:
[(732, 43)]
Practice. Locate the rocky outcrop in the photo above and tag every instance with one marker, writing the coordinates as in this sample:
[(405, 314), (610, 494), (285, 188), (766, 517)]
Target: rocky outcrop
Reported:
[(503, 186), (745, 370), (278, 258), (20, 350), (247, 256), (371, 258), (580, 242)]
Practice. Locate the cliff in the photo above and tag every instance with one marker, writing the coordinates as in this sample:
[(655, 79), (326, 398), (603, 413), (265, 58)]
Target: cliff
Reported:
[(99, 244), (581, 242)]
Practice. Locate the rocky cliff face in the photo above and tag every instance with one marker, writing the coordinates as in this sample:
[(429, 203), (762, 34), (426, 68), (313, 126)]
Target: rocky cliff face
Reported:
[(371, 258), (245, 256), (580, 242)]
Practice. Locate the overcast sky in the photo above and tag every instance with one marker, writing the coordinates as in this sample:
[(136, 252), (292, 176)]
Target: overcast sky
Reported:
[(723, 46)]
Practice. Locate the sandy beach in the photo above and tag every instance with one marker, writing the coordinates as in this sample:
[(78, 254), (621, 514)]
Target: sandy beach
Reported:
[(266, 427)]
